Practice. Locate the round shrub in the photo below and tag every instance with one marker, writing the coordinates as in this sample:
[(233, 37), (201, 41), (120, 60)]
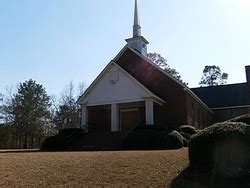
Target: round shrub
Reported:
[(66, 139), (188, 129), (174, 140), (185, 142), (54, 143), (186, 135), (221, 146)]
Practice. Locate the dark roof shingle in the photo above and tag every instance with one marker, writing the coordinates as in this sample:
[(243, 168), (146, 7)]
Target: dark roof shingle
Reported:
[(224, 95)]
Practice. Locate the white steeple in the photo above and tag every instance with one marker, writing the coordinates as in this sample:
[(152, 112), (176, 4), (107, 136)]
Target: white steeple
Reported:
[(136, 27), (138, 42)]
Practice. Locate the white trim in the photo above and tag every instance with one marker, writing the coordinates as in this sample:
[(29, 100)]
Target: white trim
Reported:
[(120, 102), (142, 86), (120, 53), (231, 107), (139, 37), (149, 110), (114, 118), (87, 91), (158, 99), (100, 75), (84, 116)]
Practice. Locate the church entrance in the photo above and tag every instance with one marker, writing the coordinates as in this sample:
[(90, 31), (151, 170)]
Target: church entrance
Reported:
[(129, 118)]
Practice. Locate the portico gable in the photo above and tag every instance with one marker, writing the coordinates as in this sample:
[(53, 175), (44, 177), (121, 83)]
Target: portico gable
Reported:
[(114, 87)]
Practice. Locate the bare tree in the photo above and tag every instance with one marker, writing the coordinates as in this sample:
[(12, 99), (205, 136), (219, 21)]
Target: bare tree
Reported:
[(67, 113)]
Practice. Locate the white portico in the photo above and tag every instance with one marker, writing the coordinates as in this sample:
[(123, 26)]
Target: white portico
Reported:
[(117, 94)]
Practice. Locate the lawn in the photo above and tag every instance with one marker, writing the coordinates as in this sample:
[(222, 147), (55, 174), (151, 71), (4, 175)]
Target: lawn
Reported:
[(74, 169)]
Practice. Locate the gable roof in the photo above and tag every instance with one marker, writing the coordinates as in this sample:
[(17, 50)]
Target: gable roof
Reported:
[(224, 95), (155, 79), (150, 75), (85, 94)]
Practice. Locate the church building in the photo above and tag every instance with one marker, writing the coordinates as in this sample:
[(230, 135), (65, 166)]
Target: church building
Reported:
[(132, 91)]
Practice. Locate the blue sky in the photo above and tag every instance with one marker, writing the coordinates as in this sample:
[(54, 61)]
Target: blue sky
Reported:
[(54, 42)]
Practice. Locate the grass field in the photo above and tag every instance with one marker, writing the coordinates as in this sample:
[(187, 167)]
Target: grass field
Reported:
[(75, 169)]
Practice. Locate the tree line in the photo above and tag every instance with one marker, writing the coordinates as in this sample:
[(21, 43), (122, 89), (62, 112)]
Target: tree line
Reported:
[(29, 115)]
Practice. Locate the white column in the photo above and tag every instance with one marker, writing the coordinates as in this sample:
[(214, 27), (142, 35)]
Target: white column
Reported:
[(149, 105), (84, 117), (114, 118)]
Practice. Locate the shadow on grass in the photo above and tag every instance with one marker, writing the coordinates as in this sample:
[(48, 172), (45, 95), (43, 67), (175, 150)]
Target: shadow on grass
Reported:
[(201, 178)]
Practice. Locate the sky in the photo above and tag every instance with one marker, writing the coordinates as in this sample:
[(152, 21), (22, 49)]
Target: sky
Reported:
[(55, 42)]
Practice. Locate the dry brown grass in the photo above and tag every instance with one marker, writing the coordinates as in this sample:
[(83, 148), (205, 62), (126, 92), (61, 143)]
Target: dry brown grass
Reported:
[(102, 169)]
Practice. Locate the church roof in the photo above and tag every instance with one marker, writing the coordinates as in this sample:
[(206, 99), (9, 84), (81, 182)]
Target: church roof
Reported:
[(145, 73), (224, 95), (151, 76)]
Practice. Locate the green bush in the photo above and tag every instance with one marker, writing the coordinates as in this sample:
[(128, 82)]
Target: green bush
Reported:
[(185, 142), (221, 146), (66, 139), (188, 129), (186, 135), (144, 138), (243, 119), (174, 140), (54, 143)]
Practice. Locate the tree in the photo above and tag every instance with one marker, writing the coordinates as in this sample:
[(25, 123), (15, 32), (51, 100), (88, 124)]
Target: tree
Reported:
[(212, 76), (67, 112), (162, 63), (29, 109)]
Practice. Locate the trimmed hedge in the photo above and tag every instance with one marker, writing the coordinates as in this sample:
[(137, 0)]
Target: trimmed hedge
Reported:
[(144, 138), (174, 140), (186, 135), (185, 142), (54, 143), (188, 129), (65, 140), (221, 146), (152, 137), (243, 119)]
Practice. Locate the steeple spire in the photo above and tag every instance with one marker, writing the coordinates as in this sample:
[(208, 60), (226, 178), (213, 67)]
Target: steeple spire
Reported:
[(137, 42), (136, 27)]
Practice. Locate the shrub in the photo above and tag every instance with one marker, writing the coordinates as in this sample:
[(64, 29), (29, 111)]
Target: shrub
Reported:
[(185, 142), (188, 129), (186, 136), (174, 140), (243, 119), (221, 146), (144, 138), (54, 143), (66, 139)]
